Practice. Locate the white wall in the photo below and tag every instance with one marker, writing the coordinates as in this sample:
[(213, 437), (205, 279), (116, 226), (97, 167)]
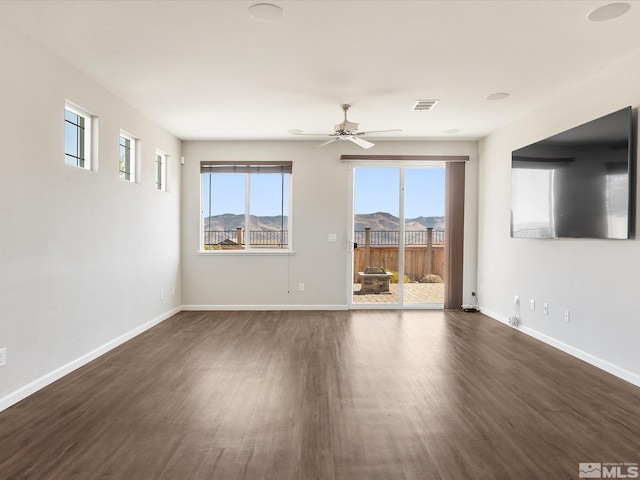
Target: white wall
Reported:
[(597, 280), (320, 206), (83, 255)]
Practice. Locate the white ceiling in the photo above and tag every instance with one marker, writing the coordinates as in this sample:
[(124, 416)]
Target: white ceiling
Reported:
[(206, 70)]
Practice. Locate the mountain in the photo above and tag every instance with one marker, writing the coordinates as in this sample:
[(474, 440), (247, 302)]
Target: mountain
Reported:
[(386, 221), (376, 221), (437, 223), (229, 221)]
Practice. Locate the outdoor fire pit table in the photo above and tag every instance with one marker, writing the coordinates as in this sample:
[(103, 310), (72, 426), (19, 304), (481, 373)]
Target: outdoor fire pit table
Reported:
[(374, 280)]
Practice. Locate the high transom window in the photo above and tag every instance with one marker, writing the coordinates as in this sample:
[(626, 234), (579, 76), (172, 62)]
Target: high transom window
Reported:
[(160, 168), (77, 137), (127, 157)]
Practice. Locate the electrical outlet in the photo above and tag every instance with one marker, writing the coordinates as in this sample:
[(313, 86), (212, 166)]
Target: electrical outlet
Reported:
[(533, 304), (566, 315), (3, 356), (301, 287), (545, 307), (173, 290), (161, 294)]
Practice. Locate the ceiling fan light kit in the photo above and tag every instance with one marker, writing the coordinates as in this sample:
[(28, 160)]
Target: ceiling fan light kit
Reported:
[(345, 131)]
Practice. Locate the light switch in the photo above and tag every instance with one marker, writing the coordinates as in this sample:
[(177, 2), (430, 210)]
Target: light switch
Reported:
[(332, 237)]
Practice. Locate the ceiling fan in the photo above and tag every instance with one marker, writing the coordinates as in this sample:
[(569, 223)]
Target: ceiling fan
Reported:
[(345, 131)]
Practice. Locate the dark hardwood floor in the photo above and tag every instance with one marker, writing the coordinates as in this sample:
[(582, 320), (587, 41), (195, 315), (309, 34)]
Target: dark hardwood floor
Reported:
[(324, 395)]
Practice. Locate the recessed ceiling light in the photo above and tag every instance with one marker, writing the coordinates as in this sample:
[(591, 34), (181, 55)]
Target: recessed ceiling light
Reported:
[(497, 96), (451, 131), (608, 12), (266, 12)]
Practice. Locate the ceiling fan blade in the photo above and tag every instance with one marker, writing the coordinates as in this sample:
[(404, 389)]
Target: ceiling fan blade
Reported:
[(344, 131), (360, 142), (324, 144), (313, 134), (378, 131)]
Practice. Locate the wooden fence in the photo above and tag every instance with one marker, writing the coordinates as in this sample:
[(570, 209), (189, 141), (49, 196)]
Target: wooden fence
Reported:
[(416, 260), (419, 260)]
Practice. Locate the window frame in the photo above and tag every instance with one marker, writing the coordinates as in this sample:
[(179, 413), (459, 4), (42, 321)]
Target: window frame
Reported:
[(226, 167), (133, 157), (87, 136)]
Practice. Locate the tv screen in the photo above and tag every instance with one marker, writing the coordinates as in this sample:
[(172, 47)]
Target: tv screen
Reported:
[(576, 184)]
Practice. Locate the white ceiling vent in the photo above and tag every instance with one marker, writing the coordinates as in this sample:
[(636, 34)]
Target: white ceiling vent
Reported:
[(424, 105)]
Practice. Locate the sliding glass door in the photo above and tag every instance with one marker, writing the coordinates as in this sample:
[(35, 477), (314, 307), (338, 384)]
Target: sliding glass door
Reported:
[(398, 227), (424, 218)]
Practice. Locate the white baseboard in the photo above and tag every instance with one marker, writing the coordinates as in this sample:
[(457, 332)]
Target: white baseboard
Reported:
[(261, 307), (573, 351), (31, 388)]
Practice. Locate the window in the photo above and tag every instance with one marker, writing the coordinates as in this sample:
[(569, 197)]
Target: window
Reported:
[(77, 137), (161, 165), (245, 206), (128, 152)]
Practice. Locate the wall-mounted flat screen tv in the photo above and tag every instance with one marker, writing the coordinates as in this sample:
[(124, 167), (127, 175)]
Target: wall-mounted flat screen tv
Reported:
[(576, 184)]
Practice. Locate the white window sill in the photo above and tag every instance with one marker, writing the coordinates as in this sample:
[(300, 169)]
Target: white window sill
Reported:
[(264, 252)]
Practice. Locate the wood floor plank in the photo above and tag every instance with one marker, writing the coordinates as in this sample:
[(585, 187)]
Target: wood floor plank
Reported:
[(406, 395)]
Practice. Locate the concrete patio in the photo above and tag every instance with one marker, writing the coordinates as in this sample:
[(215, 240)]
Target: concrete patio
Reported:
[(413, 293)]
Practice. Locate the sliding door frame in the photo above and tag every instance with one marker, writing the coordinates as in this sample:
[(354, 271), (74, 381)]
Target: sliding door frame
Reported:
[(454, 218)]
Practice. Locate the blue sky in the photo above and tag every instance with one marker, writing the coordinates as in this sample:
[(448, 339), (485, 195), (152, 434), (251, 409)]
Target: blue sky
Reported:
[(377, 190), (229, 194)]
